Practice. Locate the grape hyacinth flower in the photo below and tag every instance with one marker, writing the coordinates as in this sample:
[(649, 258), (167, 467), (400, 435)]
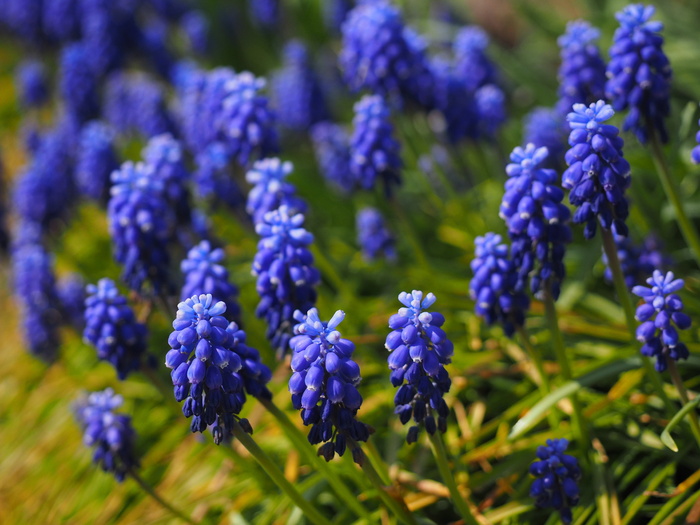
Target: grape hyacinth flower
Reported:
[(96, 160), (213, 177), (285, 273), (205, 367), (373, 236), (374, 152), (639, 73), (324, 385), (598, 174), (557, 476), (78, 83), (204, 274), (582, 70), (70, 290), (332, 149), (472, 65), (695, 154), (455, 101), (265, 12), (270, 189), (419, 350), (545, 127), (536, 218), (637, 261), (110, 433), (661, 316), (103, 34), (32, 84), (60, 20), (196, 27), (163, 154), (496, 287), (254, 373), (491, 110), (111, 327)]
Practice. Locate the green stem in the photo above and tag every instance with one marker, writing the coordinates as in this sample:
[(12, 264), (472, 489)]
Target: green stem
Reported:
[(302, 445), (543, 385), (410, 234), (672, 192), (449, 480), (277, 476), (151, 492), (683, 393)]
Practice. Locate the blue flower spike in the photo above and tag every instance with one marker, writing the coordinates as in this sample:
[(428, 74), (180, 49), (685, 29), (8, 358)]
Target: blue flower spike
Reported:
[(557, 476)]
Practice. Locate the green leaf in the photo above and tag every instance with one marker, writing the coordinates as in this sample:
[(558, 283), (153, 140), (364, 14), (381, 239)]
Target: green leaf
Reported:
[(666, 434)]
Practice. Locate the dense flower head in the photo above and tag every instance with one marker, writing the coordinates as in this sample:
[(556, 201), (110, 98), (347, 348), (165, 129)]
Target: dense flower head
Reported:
[(536, 218), (661, 316), (582, 70), (78, 83), (213, 177), (373, 236), (491, 110), (196, 27), (598, 174), (374, 152), (23, 18), (270, 189), (383, 56), (471, 62), (254, 373), (454, 100), (545, 127), (332, 148), (247, 122), (31, 83), (695, 154), (496, 286), (140, 223), (109, 433), (419, 350), (296, 91), (637, 260), (204, 274), (639, 73), (324, 384), (285, 273), (205, 366), (163, 154), (103, 32), (60, 19), (557, 475), (70, 290), (96, 160), (111, 327)]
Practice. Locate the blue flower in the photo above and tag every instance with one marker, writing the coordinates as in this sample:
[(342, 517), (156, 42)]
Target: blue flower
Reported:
[(78, 83), (265, 12), (419, 350), (639, 73), (96, 160), (637, 261), (103, 33), (205, 275), (496, 285), (661, 316), (60, 19), (23, 18), (112, 328), (545, 127), (270, 189), (557, 476), (70, 291), (285, 273), (109, 433), (214, 178), (196, 27), (455, 101), (373, 236), (163, 155), (491, 109), (374, 152), (332, 149), (32, 84), (324, 385), (254, 373), (472, 65), (582, 70), (205, 367), (536, 218), (598, 174), (695, 154)]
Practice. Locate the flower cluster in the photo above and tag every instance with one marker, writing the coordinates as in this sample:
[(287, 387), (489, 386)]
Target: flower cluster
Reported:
[(96, 160), (205, 275), (110, 433), (265, 12), (495, 285), (419, 350), (196, 27), (546, 128), (270, 189), (332, 149), (285, 273), (324, 385), (213, 177), (598, 174), (471, 62), (373, 236), (78, 83), (163, 154), (639, 73), (637, 261), (31, 83), (661, 316), (557, 476), (454, 100), (112, 328), (205, 367)]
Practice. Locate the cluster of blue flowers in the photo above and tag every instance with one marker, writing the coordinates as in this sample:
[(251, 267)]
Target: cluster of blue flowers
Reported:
[(213, 177), (270, 189), (557, 476), (324, 385), (419, 350), (96, 161), (545, 128), (32, 84), (373, 236), (332, 149)]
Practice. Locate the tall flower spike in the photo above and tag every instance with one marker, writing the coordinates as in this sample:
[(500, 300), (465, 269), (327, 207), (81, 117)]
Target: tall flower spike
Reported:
[(254, 373), (204, 274), (109, 433), (32, 84), (332, 149), (419, 350), (374, 152), (582, 70), (472, 64), (96, 160), (639, 73), (285, 273), (598, 174), (373, 236), (214, 178), (536, 218), (205, 367), (111, 327), (491, 110), (557, 476), (637, 260), (454, 100), (78, 83), (163, 154), (495, 285), (270, 189), (661, 316), (546, 127), (324, 385)]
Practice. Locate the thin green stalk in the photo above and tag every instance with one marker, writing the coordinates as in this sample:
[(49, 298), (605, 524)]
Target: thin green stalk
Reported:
[(277, 476), (152, 493), (683, 393), (302, 445), (410, 234), (544, 385), (446, 472), (672, 192)]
